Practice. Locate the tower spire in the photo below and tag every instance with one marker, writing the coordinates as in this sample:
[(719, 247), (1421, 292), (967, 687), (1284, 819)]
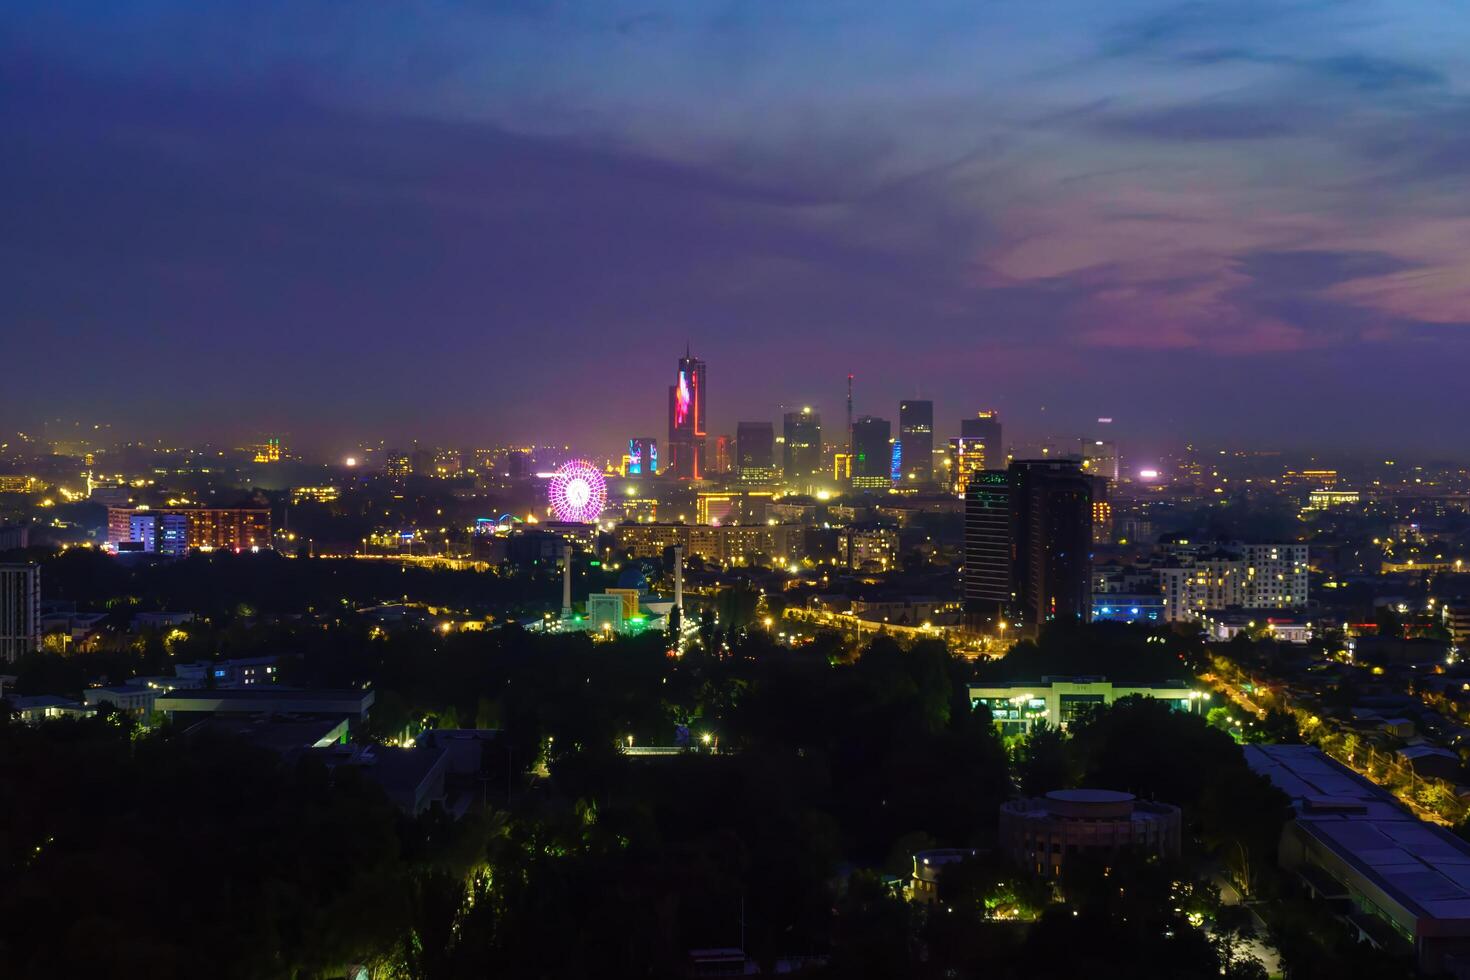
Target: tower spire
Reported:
[(849, 414)]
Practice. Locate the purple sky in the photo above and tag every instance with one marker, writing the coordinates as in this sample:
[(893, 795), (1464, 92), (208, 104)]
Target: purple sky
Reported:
[(1242, 222)]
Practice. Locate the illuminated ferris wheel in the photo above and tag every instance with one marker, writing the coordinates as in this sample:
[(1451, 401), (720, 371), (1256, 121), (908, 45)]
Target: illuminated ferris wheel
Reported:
[(577, 492)]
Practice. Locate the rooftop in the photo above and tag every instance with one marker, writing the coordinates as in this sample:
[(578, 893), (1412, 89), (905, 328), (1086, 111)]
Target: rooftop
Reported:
[(1424, 868)]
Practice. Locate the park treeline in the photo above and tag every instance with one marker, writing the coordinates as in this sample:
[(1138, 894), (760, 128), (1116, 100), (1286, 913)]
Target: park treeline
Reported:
[(126, 852)]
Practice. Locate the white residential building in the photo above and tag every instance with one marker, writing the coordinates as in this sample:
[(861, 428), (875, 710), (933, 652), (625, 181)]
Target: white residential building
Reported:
[(20, 610), (1246, 576)]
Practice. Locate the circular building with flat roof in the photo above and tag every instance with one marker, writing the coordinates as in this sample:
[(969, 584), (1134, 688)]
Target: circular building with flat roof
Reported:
[(1041, 833)]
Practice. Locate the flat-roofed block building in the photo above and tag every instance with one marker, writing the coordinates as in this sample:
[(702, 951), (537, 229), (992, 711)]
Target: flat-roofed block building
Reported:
[(1387, 872), (1041, 833), (730, 544), (1017, 706), (203, 528), (349, 702)]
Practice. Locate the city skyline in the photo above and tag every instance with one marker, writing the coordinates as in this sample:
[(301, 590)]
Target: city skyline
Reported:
[(688, 488), (1158, 214)]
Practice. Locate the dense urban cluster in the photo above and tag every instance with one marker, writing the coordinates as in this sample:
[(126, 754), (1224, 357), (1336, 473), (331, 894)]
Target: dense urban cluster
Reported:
[(854, 706)]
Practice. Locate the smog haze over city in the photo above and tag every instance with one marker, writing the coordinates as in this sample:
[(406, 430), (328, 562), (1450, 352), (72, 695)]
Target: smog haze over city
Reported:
[(1241, 224)]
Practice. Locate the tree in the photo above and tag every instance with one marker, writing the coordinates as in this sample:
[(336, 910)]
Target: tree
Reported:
[(1044, 761)]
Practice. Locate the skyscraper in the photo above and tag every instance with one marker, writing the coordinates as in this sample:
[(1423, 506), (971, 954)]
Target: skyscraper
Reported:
[(966, 458), (20, 610), (916, 437), (642, 456), (1051, 528), (985, 426), (1028, 544), (989, 592), (755, 446), (872, 450), (801, 454), (977, 448), (687, 420)]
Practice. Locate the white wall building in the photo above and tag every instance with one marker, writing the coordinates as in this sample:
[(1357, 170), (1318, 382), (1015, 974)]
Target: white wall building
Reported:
[(20, 610), (1246, 576)]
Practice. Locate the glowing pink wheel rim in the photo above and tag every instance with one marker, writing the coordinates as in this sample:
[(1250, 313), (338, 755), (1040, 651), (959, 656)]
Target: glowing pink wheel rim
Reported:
[(577, 492)]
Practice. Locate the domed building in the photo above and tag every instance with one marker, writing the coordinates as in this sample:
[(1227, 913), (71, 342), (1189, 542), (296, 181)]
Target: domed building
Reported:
[(1042, 833)]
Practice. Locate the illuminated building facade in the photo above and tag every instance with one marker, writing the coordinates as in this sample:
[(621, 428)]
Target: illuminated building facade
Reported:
[(1243, 576), (1100, 458), (399, 465), (20, 610), (755, 442), (733, 507), (1018, 706), (686, 446), (916, 437), (1276, 576), (872, 455), (1102, 511), (1313, 479), (801, 453), (721, 459), (730, 544), (642, 457), (966, 458), (199, 528), (872, 549), (268, 451), (1318, 500), (319, 495)]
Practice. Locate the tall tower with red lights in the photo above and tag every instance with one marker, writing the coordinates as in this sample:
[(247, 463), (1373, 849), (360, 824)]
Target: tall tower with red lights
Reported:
[(685, 453)]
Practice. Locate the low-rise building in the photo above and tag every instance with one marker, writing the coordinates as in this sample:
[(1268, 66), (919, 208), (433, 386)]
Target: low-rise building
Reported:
[(412, 778), (1017, 706), (137, 701), (44, 707), (1386, 872), (224, 675), (1126, 607), (1223, 625), (349, 703), (929, 868), (1042, 833)]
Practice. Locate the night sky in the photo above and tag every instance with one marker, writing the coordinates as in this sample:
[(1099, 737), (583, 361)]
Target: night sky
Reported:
[(1244, 222)]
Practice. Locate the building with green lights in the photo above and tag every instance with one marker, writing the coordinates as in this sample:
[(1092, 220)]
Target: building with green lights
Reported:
[(1017, 706)]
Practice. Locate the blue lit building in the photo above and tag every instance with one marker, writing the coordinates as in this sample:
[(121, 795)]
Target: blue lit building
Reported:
[(1124, 607)]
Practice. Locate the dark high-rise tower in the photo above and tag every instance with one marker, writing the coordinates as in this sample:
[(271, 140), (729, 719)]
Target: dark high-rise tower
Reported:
[(989, 591), (872, 448), (916, 441), (1028, 544), (977, 448), (1051, 528), (801, 453), (684, 458), (755, 446), (985, 426)]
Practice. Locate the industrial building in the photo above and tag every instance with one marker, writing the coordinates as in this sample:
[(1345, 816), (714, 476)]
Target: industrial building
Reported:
[(1393, 877)]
